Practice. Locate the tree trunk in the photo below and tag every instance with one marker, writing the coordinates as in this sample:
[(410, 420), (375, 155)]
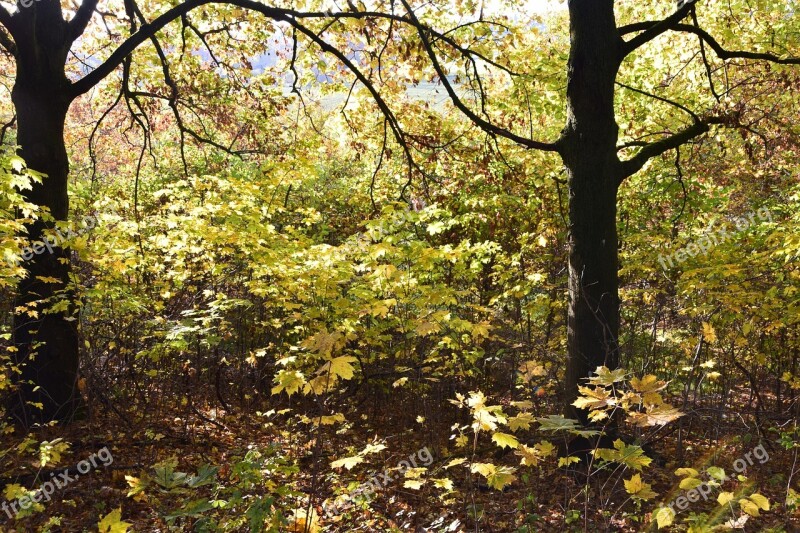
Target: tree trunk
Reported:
[(46, 342), (588, 149)]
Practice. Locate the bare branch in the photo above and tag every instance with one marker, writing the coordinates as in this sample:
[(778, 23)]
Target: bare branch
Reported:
[(703, 55)]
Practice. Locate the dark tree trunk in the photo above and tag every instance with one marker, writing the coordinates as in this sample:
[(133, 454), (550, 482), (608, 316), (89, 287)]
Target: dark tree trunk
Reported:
[(588, 149), (47, 342)]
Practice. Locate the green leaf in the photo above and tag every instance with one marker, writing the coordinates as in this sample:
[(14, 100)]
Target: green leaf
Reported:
[(716, 472), (205, 476), (165, 475), (689, 483)]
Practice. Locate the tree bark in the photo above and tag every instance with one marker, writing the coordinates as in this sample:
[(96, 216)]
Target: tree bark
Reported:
[(46, 342), (588, 149)]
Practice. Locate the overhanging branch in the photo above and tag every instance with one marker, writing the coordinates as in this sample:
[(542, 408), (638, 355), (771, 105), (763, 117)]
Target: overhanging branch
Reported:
[(651, 29), (129, 45), (654, 149), (722, 53), (706, 37), (485, 125)]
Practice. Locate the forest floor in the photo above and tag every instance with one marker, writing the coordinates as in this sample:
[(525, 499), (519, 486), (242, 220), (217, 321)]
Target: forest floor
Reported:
[(545, 498)]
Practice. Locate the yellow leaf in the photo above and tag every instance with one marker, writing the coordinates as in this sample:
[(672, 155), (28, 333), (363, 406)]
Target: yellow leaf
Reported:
[(497, 477), (331, 419), (112, 522), (347, 462), (303, 523), (340, 366), (638, 489), (443, 483), (522, 420), (748, 507), (504, 440), (724, 498), (664, 517), (566, 461), (288, 380), (709, 335), (689, 483), (760, 501), (455, 462), (648, 383)]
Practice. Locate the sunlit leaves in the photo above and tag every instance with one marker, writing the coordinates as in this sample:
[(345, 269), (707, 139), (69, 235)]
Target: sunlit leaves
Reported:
[(497, 477), (504, 440), (631, 456), (347, 462), (638, 489), (604, 376), (288, 380), (533, 455), (664, 517)]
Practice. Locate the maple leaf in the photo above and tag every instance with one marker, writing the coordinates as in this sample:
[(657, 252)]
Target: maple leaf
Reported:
[(639, 489), (504, 440), (112, 522), (288, 380), (522, 420), (648, 383), (497, 477), (347, 462), (604, 376)]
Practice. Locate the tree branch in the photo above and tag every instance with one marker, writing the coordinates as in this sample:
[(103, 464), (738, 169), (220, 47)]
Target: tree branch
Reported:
[(654, 149), (6, 41), (722, 53), (706, 37), (130, 44), (651, 29), (661, 99), (485, 125), (78, 24), (6, 20)]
